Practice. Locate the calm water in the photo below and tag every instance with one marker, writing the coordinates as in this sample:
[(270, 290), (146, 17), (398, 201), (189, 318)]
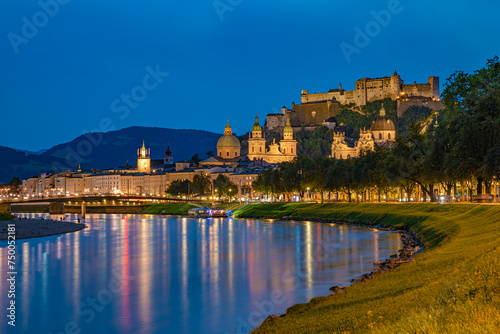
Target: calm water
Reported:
[(150, 274)]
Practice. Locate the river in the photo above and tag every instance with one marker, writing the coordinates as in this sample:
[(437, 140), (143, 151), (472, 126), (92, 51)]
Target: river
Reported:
[(169, 274)]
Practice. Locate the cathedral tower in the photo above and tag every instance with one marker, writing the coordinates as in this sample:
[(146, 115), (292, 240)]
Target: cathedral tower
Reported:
[(143, 160), (288, 145), (256, 142)]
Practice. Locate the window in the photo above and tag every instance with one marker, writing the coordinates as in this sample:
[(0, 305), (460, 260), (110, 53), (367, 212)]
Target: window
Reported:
[(220, 154), (260, 149), (227, 153), (341, 156), (388, 136), (235, 154), (291, 150), (253, 149), (284, 150), (379, 136), (348, 156)]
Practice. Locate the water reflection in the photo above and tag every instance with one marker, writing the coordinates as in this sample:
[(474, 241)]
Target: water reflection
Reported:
[(149, 274)]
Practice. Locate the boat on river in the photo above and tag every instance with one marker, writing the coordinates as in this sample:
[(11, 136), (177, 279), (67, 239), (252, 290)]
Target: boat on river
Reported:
[(206, 213)]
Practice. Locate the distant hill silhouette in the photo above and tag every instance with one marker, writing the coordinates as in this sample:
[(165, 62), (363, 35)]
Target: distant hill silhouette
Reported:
[(107, 150)]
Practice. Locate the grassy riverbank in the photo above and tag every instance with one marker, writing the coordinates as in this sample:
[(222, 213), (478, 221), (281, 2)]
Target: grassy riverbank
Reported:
[(5, 216), (169, 209), (452, 287)]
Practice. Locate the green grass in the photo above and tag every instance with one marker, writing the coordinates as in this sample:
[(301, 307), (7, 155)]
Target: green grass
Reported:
[(452, 287), (169, 209), (6, 216)]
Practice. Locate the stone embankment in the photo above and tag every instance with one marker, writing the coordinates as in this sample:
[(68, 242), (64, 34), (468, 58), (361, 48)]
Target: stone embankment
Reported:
[(411, 246)]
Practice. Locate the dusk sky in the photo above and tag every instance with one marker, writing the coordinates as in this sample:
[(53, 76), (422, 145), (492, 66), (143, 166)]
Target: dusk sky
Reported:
[(224, 59)]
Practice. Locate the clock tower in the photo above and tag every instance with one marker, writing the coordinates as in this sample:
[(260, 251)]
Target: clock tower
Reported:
[(143, 160)]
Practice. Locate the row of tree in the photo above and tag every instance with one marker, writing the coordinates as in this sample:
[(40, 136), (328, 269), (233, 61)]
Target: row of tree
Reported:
[(459, 145), (202, 185)]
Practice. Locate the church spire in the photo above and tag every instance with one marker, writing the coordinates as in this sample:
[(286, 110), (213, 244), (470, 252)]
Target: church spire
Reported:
[(228, 130), (382, 111), (288, 130)]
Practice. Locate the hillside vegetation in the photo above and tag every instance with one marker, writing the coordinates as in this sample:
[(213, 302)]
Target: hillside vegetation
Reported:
[(452, 287)]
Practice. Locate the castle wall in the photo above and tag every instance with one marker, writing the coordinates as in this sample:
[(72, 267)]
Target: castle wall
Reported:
[(369, 90), (274, 121), (425, 90), (402, 106), (315, 97)]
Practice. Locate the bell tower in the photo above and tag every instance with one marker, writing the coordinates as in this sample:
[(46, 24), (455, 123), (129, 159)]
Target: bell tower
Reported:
[(168, 159), (143, 159), (288, 146), (256, 142)]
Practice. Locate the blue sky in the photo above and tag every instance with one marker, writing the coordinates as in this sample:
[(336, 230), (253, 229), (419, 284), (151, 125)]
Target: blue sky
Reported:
[(224, 58)]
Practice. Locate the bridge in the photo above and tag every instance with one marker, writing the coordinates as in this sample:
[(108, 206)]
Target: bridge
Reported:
[(91, 204)]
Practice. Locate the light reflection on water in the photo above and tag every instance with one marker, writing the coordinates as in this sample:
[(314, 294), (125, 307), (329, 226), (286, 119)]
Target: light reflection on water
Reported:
[(152, 274)]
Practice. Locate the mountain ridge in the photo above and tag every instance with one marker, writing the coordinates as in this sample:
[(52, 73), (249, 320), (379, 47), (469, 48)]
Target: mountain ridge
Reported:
[(107, 150)]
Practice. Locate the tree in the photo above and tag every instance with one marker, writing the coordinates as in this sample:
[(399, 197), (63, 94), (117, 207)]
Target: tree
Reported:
[(316, 143), (339, 177), (413, 114), (15, 185), (179, 187), (473, 114), (195, 159), (210, 154), (410, 162), (201, 184), (224, 186)]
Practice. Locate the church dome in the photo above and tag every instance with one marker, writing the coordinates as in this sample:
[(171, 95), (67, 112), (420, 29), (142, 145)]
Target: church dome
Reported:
[(382, 123), (256, 127), (288, 127), (228, 140)]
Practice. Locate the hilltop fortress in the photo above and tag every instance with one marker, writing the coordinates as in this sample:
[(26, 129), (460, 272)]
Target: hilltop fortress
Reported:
[(369, 90), (317, 108)]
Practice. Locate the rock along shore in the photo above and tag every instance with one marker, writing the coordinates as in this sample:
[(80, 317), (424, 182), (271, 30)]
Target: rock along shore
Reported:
[(34, 228)]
